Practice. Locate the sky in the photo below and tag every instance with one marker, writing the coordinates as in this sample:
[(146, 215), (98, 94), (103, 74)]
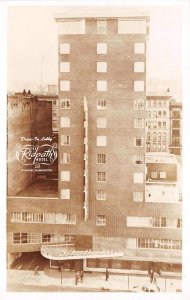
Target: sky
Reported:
[(33, 53)]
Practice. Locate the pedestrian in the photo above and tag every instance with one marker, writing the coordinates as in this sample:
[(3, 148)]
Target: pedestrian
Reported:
[(151, 276), (36, 270), (155, 275), (107, 274), (81, 275)]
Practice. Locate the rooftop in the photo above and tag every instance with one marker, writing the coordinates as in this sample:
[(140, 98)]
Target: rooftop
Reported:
[(41, 188)]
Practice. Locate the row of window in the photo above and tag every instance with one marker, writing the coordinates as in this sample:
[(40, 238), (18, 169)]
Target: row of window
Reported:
[(156, 147), (102, 86), (157, 103), (154, 222), (38, 238), (48, 218), (155, 125), (102, 177), (101, 140), (102, 67), (156, 114), (58, 218), (101, 158), (156, 136), (101, 48), (102, 104), (101, 122), (161, 175), (146, 243)]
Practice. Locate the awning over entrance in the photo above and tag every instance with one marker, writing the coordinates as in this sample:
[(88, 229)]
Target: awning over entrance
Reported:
[(58, 252)]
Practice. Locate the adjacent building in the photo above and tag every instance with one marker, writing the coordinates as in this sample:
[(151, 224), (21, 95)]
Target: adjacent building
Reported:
[(175, 127)]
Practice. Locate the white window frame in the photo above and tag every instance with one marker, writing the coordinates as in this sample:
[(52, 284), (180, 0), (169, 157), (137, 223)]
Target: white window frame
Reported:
[(65, 194), (139, 67), (64, 67), (65, 158), (101, 123), (101, 48), (101, 158), (100, 220), (101, 140), (138, 177), (101, 85), (64, 48), (139, 48), (65, 176), (65, 103), (139, 85), (101, 67), (101, 195), (101, 104), (101, 26), (64, 122), (67, 138), (64, 85)]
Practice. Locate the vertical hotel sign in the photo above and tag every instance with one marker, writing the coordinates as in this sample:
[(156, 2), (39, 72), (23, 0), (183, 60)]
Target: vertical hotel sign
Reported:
[(86, 200)]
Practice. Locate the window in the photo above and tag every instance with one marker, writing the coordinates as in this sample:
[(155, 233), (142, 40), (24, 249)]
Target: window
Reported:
[(101, 104), (139, 48), (64, 48), (138, 177), (159, 125), (138, 222), (139, 86), (72, 27), (101, 48), (65, 122), (131, 26), (159, 113), (179, 223), (154, 175), (101, 26), (154, 103), (139, 67), (65, 175), (163, 175), (101, 122), (159, 103), (164, 124), (101, 158), (138, 196), (158, 244), (101, 140), (101, 176), (101, 85), (164, 114), (101, 67), (65, 103), (138, 141), (164, 136), (138, 159), (16, 217), (65, 140), (64, 85), (65, 158), (100, 195), (65, 67), (65, 193), (138, 104), (139, 122), (159, 136), (154, 136), (100, 220), (148, 136)]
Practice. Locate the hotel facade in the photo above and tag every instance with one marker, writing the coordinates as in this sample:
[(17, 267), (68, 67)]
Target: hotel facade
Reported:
[(100, 202)]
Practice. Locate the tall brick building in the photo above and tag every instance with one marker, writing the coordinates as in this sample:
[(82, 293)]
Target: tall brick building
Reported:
[(101, 178)]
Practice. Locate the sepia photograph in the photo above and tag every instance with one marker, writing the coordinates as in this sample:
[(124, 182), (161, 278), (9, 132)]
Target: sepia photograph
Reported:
[(94, 148)]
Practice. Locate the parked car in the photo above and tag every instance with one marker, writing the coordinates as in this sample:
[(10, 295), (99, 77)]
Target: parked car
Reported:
[(149, 288)]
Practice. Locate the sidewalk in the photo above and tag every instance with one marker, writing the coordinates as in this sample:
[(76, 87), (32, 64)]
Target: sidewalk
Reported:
[(116, 282)]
